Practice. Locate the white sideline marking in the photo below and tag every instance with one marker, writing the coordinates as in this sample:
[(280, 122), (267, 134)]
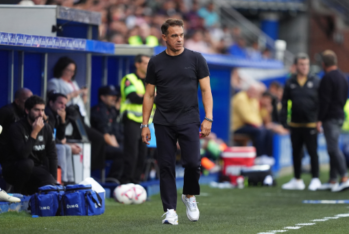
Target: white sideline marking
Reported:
[(320, 220), (299, 225), (295, 227), (305, 224), (342, 215), (331, 217)]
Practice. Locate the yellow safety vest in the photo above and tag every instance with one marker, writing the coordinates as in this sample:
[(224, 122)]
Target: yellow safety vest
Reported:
[(134, 111), (149, 41), (345, 126)]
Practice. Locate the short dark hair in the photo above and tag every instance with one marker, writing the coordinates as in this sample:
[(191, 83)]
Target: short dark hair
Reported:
[(32, 101), (267, 94), (139, 57), (170, 23), (329, 58), (52, 96), (300, 56), (62, 64), (276, 84)]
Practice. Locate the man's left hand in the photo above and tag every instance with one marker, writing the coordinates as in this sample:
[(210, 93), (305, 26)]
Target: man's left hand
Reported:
[(205, 128)]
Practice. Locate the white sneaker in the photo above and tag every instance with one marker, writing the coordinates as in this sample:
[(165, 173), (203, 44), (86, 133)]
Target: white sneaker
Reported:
[(294, 185), (7, 198), (341, 186), (315, 184), (327, 186), (171, 217), (193, 212)]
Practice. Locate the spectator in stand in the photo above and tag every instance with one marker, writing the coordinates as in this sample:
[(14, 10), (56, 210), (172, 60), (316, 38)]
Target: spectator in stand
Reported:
[(31, 161), (55, 111), (301, 99), (12, 113), (247, 119), (238, 49), (196, 22), (104, 119), (196, 43), (266, 54), (118, 39), (254, 52), (333, 93), (210, 16), (64, 72), (144, 37), (168, 9)]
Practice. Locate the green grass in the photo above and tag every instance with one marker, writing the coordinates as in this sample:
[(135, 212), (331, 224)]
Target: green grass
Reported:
[(250, 210)]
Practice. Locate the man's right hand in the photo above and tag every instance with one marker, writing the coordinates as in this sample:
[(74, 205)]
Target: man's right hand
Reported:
[(146, 136), (62, 114), (37, 126)]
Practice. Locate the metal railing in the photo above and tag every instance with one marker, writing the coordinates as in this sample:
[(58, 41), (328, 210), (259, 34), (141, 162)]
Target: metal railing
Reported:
[(231, 17)]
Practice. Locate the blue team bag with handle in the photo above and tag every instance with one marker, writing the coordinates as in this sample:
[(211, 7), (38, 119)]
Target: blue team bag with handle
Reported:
[(48, 201), (81, 200)]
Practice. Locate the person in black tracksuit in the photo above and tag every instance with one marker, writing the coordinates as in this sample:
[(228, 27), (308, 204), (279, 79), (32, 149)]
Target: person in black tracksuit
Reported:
[(11, 113), (302, 90), (31, 161), (104, 119)]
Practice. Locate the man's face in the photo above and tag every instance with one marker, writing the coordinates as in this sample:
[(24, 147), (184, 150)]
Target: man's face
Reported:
[(174, 38), (59, 104), (142, 66), (302, 67), (36, 112), (109, 100), (21, 100)]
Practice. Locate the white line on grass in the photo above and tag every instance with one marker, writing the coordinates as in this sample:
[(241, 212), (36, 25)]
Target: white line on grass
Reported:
[(300, 225), (295, 227), (305, 224)]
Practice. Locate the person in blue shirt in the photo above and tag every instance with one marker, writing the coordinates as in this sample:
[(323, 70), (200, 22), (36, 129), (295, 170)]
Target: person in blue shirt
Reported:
[(207, 13)]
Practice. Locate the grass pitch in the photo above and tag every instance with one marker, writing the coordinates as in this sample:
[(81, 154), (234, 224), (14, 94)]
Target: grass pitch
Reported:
[(250, 210)]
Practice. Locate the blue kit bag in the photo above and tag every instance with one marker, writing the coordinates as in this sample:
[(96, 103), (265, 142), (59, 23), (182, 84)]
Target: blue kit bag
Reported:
[(48, 201), (81, 200)]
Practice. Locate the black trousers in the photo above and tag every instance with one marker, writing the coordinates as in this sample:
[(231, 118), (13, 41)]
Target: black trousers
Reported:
[(135, 153), (115, 154), (25, 177), (97, 148), (299, 138), (189, 142)]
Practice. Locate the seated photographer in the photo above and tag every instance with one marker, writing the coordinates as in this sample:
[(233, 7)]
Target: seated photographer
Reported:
[(103, 119), (55, 111), (31, 161)]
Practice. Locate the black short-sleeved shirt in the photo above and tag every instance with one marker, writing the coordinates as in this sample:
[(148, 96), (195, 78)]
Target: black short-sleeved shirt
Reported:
[(176, 79)]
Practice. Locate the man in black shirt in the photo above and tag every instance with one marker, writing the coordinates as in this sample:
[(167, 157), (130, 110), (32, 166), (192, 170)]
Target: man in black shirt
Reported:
[(333, 94), (104, 119), (55, 111), (301, 91), (12, 113), (176, 73), (32, 160)]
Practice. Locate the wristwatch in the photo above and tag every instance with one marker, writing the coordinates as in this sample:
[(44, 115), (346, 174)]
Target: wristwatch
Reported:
[(144, 126)]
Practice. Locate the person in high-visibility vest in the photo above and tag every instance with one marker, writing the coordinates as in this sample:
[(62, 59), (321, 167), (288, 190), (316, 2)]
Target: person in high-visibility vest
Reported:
[(144, 38), (132, 89)]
